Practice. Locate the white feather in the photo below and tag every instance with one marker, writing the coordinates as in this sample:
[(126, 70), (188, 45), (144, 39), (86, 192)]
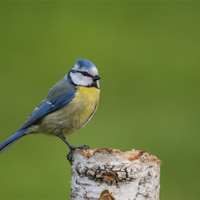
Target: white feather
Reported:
[(80, 79)]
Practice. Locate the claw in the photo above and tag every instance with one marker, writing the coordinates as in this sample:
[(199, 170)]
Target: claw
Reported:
[(70, 157), (72, 148), (71, 152)]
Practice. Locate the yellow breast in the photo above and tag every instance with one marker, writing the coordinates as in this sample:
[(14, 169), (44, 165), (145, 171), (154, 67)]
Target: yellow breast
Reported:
[(74, 115)]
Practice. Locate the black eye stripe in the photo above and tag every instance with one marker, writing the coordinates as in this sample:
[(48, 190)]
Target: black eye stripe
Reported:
[(84, 73)]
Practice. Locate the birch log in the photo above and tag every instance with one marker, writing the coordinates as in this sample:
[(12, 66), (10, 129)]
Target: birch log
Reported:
[(109, 174)]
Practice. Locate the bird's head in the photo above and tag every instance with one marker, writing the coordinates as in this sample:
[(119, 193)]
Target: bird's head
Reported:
[(84, 73)]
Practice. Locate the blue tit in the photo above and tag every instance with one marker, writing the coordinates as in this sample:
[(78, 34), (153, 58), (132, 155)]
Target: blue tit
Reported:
[(69, 105)]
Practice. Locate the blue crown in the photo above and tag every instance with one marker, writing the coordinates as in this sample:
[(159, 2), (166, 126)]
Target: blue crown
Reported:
[(84, 63)]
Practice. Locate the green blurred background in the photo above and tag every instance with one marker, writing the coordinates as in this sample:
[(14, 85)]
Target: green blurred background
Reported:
[(148, 55)]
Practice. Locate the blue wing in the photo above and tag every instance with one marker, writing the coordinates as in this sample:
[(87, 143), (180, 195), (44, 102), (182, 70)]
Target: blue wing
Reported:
[(59, 96), (12, 140), (47, 107)]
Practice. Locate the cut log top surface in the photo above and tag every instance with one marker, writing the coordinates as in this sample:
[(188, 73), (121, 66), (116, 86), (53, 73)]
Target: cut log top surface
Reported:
[(108, 152), (106, 172)]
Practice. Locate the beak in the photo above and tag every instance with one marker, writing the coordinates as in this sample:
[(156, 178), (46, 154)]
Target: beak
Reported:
[(96, 78)]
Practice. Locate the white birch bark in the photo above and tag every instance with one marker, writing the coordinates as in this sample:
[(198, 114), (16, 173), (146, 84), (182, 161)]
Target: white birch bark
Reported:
[(109, 174)]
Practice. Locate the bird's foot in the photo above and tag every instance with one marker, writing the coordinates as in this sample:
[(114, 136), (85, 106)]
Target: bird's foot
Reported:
[(71, 152)]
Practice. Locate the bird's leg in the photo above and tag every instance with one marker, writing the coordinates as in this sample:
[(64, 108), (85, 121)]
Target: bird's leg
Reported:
[(72, 148)]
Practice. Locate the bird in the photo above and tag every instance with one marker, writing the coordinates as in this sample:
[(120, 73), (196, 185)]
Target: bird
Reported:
[(68, 106)]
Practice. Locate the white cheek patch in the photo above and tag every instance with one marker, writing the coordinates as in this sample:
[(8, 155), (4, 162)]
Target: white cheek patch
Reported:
[(79, 79), (93, 70)]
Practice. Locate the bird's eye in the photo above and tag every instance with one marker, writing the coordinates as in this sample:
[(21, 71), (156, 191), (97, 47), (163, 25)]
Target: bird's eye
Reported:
[(85, 74)]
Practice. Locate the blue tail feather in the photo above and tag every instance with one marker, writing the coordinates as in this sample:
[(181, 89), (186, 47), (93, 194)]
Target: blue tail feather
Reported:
[(12, 140)]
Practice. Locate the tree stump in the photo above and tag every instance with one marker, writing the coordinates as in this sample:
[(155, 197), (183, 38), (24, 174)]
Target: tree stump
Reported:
[(109, 174)]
